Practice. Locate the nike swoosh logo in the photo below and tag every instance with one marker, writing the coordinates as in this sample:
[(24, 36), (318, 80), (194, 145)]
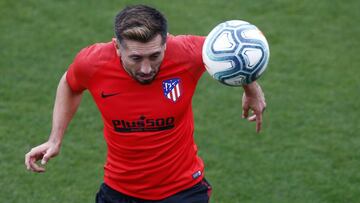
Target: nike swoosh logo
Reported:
[(103, 95)]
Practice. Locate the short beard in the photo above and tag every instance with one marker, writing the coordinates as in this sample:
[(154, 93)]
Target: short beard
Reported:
[(146, 82)]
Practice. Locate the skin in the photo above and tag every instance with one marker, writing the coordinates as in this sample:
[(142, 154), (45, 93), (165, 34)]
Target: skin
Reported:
[(142, 61), (253, 100)]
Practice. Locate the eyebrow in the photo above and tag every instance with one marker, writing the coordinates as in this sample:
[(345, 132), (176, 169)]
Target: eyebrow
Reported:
[(151, 54)]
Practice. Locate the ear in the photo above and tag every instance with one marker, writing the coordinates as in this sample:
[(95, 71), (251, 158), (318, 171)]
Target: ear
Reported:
[(116, 45)]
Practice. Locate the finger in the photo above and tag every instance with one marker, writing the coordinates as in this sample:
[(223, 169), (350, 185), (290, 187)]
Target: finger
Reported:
[(252, 118), (30, 157), (36, 168), (245, 111), (258, 122), (30, 160), (27, 161), (46, 158), (245, 114)]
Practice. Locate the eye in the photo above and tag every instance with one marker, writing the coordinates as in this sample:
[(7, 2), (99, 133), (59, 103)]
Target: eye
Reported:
[(154, 56), (135, 58)]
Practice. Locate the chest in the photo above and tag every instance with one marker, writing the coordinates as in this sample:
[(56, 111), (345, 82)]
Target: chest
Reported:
[(122, 99)]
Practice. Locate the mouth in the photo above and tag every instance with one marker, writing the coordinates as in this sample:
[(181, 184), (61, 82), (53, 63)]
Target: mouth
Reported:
[(145, 79)]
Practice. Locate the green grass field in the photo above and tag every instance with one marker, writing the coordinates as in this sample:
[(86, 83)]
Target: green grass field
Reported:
[(308, 151)]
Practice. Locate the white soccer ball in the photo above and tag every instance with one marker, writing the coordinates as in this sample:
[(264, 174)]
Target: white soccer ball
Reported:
[(236, 53)]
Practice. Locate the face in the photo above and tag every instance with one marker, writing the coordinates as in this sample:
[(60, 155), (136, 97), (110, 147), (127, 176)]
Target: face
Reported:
[(142, 60)]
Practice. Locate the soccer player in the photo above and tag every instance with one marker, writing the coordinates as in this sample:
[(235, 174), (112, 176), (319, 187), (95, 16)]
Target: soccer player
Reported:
[(142, 82)]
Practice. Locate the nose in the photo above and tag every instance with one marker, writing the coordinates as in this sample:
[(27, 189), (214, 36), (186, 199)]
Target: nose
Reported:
[(145, 67)]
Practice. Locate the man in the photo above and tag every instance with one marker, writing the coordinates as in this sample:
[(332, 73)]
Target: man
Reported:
[(142, 82)]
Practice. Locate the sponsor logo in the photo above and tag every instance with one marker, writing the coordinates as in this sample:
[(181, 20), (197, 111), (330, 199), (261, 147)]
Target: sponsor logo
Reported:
[(144, 124), (103, 95), (171, 89)]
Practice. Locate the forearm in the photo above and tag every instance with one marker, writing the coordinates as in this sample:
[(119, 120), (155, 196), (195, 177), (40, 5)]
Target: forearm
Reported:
[(66, 104)]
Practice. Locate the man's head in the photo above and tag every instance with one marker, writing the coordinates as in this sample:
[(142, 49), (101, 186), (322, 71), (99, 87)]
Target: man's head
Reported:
[(141, 41)]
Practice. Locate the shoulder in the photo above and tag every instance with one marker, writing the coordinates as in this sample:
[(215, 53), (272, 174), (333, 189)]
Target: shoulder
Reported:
[(185, 42), (184, 47), (87, 62), (185, 51), (96, 53)]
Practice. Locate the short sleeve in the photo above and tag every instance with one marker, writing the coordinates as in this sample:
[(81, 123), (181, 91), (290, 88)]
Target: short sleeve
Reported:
[(194, 45), (78, 73)]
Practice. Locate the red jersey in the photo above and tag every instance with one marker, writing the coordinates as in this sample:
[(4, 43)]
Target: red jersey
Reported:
[(148, 128)]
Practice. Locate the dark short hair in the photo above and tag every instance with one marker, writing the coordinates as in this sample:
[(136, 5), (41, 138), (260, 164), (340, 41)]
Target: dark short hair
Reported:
[(140, 23)]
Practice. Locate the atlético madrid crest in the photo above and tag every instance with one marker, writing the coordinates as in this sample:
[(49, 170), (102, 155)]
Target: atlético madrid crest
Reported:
[(171, 89)]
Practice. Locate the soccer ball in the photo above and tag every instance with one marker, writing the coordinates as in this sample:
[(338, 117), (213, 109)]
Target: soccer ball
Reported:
[(235, 53)]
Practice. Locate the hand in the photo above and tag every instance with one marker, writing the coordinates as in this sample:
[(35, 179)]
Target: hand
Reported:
[(253, 98), (42, 152)]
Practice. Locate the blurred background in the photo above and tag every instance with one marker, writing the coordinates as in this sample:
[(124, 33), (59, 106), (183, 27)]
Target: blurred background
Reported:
[(308, 150)]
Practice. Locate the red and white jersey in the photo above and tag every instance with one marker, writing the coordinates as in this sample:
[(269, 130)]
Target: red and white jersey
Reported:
[(148, 129)]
